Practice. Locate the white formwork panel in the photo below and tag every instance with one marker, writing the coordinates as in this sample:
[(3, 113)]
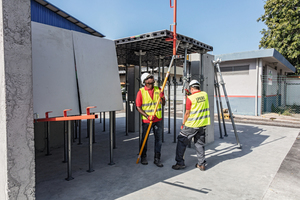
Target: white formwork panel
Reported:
[(98, 74), (54, 80)]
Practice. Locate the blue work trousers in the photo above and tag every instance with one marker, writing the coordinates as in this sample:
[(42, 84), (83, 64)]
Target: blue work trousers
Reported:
[(157, 129)]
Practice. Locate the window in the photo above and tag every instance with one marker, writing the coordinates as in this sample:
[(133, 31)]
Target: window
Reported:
[(235, 70)]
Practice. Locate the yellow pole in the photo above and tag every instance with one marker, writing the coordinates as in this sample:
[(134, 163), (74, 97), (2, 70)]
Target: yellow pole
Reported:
[(150, 124)]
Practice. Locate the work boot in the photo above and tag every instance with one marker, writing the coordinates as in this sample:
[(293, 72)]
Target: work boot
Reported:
[(144, 161), (201, 167), (177, 167), (157, 160)]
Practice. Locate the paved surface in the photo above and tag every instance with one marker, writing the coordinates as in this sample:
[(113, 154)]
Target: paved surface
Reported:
[(271, 119), (250, 173), (286, 184)]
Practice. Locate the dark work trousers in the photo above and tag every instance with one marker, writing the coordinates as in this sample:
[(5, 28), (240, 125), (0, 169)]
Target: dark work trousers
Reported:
[(157, 129), (184, 137)]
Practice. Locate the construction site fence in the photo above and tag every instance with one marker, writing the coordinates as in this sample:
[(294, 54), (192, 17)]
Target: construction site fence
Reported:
[(280, 94)]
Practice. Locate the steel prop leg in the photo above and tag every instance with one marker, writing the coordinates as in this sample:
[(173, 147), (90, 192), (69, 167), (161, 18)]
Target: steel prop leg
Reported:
[(221, 105), (73, 130), (93, 128), (87, 129), (75, 125), (103, 122), (218, 111), (69, 164), (79, 132), (111, 139), (65, 142), (48, 138), (114, 130), (90, 123)]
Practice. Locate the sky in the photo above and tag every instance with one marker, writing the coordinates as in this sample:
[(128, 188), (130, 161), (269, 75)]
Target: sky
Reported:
[(228, 25)]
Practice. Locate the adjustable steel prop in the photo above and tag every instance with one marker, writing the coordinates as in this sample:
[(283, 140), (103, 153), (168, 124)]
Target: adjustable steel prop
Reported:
[(175, 46)]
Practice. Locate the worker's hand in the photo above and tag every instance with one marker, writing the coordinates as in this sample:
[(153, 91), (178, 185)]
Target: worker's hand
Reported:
[(187, 92), (151, 117), (181, 126), (161, 95)]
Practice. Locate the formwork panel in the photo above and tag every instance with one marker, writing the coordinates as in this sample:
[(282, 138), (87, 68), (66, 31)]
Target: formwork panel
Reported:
[(54, 82), (97, 71)]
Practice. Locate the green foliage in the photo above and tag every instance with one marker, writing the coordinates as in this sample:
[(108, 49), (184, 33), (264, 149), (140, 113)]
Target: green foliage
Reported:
[(282, 18), (273, 109), (287, 113)]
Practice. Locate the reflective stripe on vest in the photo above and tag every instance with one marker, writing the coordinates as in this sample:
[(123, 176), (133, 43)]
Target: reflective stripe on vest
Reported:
[(148, 105), (199, 113)]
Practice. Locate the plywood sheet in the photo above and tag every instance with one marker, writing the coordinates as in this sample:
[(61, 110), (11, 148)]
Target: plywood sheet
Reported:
[(98, 75), (54, 80)]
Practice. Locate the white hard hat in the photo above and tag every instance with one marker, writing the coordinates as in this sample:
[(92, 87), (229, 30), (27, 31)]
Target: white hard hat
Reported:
[(145, 76), (194, 83)]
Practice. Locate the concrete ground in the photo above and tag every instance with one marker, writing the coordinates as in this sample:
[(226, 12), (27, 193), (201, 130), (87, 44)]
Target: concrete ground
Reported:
[(266, 168)]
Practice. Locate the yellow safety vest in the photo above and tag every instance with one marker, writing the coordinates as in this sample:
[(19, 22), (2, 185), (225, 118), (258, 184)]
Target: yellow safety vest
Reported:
[(199, 113), (149, 104)]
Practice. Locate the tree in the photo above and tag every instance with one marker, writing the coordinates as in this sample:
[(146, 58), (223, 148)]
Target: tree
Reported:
[(282, 18)]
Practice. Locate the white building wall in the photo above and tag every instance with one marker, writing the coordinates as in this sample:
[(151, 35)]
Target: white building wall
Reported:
[(240, 85)]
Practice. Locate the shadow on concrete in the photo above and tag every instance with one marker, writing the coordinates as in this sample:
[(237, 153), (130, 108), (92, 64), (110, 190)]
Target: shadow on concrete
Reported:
[(126, 177), (250, 137)]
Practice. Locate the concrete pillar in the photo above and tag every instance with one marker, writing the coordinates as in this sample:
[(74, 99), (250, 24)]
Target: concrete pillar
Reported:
[(208, 86), (17, 176)]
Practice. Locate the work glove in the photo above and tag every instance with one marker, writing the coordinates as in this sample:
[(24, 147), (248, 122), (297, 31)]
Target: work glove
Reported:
[(151, 117), (161, 95), (182, 126), (187, 92)]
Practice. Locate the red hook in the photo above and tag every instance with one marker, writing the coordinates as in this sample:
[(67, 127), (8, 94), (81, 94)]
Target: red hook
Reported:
[(65, 112), (171, 4), (88, 109), (47, 114)]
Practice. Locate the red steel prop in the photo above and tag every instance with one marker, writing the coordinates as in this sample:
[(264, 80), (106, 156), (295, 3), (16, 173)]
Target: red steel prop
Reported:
[(167, 74), (66, 118)]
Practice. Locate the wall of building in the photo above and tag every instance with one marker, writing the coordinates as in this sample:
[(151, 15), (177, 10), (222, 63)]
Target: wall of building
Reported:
[(44, 15), (241, 88), (17, 169)]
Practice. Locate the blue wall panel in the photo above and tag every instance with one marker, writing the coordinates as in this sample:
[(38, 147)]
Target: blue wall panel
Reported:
[(241, 105), (43, 15)]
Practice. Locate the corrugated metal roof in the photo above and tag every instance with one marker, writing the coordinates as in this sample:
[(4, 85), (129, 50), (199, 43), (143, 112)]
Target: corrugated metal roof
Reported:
[(46, 13)]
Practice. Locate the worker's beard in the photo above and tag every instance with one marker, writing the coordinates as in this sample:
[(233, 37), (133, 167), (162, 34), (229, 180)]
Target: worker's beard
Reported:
[(150, 84)]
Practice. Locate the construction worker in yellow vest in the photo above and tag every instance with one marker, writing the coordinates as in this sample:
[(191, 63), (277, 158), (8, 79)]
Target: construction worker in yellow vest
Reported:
[(146, 100), (194, 124)]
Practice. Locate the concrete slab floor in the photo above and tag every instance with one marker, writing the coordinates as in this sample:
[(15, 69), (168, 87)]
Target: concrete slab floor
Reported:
[(231, 173), (286, 183)]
